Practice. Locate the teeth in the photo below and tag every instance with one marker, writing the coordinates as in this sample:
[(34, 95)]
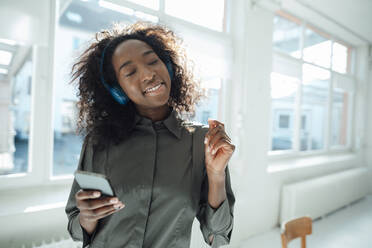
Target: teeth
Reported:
[(153, 89)]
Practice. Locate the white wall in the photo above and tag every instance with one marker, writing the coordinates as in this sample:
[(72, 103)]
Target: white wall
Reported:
[(24, 21), (368, 153), (252, 32)]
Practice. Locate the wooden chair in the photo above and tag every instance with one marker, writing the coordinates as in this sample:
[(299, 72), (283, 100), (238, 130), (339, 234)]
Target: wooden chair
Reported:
[(296, 228)]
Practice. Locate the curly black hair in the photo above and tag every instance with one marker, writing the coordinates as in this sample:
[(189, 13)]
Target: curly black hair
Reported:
[(100, 116)]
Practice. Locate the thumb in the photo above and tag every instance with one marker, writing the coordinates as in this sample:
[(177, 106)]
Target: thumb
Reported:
[(211, 123)]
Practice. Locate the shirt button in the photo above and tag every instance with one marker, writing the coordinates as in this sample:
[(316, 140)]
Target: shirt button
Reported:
[(158, 126)]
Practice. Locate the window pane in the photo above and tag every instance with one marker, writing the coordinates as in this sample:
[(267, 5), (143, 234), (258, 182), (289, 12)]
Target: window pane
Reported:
[(284, 121), (340, 106), (340, 58), (15, 121), (317, 48), (208, 13), (283, 97), (315, 86), (208, 107), (286, 36), (153, 4)]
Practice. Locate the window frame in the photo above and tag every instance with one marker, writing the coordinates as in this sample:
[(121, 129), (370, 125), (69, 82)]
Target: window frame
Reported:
[(328, 149)]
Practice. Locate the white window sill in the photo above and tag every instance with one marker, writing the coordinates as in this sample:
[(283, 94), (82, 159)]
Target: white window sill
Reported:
[(33, 199), (286, 164)]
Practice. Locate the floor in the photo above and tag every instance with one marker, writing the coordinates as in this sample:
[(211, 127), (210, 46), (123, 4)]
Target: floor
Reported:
[(348, 227)]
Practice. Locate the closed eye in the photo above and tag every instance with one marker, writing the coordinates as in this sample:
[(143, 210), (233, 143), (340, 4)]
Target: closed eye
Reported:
[(154, 62), (131, 73), (134, 71)]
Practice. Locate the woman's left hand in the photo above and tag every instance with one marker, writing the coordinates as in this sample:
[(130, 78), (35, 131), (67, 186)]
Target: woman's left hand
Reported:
[(218, 148)]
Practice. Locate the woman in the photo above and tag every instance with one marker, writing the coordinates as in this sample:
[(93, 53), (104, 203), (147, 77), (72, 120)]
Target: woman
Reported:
[(133, 84)]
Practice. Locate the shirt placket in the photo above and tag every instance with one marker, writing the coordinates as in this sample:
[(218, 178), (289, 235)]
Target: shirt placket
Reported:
[(148, 181)]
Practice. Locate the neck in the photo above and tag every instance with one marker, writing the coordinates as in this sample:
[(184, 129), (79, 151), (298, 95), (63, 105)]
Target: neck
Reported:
[(154, 114)]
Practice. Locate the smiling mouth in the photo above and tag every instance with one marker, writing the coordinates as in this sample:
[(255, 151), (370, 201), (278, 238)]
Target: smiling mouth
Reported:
[(149, 90)]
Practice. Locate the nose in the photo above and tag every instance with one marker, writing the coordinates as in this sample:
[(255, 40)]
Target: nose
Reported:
[(147, 74)]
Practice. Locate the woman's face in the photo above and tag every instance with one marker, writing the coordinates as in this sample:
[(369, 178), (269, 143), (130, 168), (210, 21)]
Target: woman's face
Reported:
[(141, 74)]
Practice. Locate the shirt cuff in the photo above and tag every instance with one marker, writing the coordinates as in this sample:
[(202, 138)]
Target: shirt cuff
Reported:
[(75, 229), (86, 237), (78, 233), (219, 240), (218, 219)]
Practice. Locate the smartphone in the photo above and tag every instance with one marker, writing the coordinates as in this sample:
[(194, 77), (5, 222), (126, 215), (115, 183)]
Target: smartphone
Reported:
[(94, 181)]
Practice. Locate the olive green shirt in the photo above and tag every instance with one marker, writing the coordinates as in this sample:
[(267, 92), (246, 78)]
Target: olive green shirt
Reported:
[(158, 172)]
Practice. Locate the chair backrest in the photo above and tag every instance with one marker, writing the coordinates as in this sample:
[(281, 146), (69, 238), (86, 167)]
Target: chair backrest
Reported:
[(296, 228)]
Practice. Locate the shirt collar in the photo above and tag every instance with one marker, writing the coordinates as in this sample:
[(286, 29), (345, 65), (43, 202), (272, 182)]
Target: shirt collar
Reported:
[(172, 122)]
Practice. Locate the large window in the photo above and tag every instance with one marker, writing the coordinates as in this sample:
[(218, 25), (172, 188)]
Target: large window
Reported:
[(311, 89)]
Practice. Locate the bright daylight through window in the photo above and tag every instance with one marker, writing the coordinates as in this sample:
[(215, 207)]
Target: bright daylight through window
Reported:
[(17, 125), (311, 88)]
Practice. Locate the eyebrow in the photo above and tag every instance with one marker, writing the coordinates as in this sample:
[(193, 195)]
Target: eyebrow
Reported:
[(129, 62)]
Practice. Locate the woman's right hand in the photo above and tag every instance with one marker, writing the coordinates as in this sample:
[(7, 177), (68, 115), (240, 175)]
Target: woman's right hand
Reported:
[(94, 207)]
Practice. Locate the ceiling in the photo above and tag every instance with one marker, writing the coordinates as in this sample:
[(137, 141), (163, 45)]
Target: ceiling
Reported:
[(355, 15), (349, 19)]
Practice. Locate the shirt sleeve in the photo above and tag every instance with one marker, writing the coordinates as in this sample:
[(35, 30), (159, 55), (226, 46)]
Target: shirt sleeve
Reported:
[(76, 231), (216, 222)]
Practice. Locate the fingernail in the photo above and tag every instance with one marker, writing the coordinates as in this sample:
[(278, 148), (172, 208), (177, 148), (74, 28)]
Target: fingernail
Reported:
[(213, 152), (117, 206), (114, 200), (205, 141), (96, 194)]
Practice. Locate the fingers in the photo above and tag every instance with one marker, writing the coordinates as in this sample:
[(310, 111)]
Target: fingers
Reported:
[(93, 207), (215, 134), (99, 213), (224, 144), (214, 123), (217, 137), (98, 203), (212, 131), (87, 194)]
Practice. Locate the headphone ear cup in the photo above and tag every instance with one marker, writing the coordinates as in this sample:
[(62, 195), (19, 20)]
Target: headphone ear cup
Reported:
[(119, 95)]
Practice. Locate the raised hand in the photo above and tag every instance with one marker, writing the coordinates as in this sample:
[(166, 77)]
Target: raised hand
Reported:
[(218, 148)]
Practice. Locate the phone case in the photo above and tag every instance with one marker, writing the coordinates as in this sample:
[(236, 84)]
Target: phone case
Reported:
[(94, 181)]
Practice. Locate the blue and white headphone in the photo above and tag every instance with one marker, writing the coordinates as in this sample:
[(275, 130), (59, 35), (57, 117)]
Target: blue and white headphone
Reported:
[(116, 91)]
